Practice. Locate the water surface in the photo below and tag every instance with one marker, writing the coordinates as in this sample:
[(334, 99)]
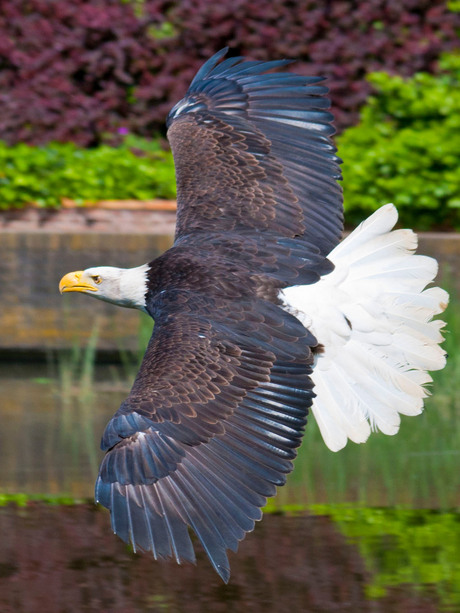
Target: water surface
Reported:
[(370, 529), (66, 559)]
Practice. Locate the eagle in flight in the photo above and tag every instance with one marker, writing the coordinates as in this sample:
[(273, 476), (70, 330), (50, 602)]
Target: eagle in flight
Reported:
[(260, 313)]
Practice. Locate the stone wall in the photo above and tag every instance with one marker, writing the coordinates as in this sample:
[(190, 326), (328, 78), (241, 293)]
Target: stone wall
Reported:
[(37, 249)]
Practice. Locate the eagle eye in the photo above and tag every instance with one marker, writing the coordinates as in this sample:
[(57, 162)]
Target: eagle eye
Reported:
[(97, 279)]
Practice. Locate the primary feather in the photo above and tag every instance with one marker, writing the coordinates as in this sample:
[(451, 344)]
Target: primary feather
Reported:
[(254, 304)]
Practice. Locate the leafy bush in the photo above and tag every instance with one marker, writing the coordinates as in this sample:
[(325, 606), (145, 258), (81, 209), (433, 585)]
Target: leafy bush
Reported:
[(406, 149), (78, 71), (45, 175)]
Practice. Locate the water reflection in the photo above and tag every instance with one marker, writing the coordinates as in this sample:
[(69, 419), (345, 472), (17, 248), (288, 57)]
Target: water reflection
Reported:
[(51, 429), (404, 547), (53, 418), (69, 561), (336, 558)]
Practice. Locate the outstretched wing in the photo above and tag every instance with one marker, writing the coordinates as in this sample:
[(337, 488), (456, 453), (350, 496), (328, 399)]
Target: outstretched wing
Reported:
[(253, 152), (210, 426), (219, 405)]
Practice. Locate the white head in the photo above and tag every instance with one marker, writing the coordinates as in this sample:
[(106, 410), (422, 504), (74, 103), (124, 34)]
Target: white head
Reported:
[(123, 286)]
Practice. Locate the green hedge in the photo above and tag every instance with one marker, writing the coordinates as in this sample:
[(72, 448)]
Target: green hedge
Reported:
[(406, 149), (44, 175)]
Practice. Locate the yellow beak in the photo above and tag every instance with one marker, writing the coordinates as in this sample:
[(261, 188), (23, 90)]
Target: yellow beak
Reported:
[(72, 282)]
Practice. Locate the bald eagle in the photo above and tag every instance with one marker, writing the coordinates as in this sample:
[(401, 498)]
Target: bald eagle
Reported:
[(260, 313)]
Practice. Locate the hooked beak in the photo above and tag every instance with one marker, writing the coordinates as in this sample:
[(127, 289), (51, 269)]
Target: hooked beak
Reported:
[(72, 282)]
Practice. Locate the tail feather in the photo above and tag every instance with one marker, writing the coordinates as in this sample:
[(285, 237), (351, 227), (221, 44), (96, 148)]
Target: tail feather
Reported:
[(374, 317)]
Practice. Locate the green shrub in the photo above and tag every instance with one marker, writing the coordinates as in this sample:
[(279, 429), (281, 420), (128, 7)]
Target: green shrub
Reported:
[(406, 149), (137, 169)]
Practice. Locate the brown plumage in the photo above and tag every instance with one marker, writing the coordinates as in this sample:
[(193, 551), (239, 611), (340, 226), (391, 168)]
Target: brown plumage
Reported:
[(218, 408)]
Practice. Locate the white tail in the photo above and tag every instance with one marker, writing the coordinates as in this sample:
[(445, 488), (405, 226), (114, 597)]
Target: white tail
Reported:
[(373, 316)]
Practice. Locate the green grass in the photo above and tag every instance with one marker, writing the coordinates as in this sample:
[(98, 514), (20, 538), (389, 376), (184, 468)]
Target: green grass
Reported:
[(75, 367)]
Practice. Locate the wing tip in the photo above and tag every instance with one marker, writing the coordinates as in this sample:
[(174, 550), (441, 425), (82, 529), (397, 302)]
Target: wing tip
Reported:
[(209, 65), (223, 572)]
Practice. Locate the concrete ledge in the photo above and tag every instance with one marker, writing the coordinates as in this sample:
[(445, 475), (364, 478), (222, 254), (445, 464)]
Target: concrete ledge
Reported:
[(37, 249), (75, 220), (34, 316)]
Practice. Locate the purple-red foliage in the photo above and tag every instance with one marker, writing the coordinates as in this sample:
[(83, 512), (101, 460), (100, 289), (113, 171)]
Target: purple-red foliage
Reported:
[(82, 70), (69, 71)]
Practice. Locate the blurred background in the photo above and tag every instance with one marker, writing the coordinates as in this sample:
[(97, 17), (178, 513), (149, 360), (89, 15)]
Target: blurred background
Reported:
[(87, 178)]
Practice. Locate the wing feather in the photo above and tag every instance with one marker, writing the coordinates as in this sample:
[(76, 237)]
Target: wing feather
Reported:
[(158, 481), (218, 408), (253, 150)]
